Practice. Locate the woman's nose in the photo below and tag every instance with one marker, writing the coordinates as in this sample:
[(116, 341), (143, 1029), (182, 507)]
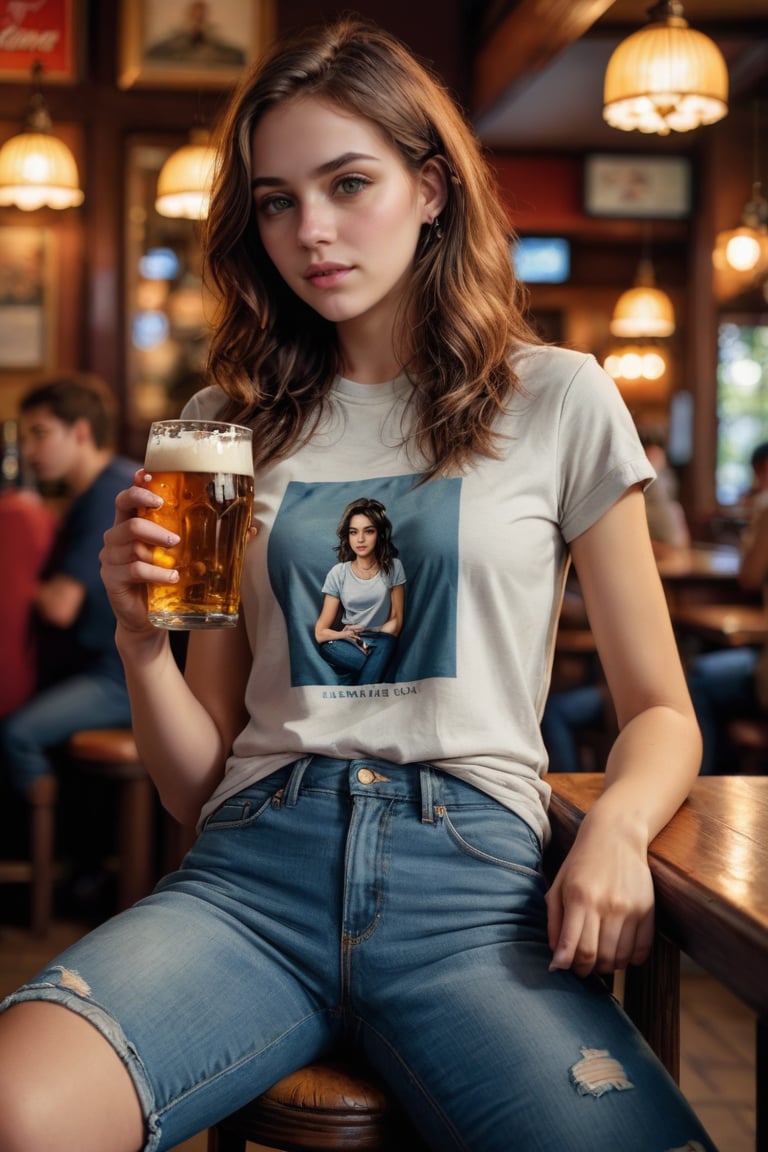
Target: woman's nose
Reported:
[(316, 223)]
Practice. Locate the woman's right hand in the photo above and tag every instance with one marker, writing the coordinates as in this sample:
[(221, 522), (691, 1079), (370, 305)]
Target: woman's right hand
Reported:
[(127, 556)]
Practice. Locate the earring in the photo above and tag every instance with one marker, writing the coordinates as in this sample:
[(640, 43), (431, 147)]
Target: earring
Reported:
[(436, 228)]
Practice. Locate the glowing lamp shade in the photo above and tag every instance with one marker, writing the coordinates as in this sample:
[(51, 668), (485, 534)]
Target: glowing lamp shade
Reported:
[(667, 77), (184, 182), (643, 310), (36, 170)]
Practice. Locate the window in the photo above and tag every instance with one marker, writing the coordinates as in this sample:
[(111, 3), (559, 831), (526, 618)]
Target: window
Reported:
[(742, 403)]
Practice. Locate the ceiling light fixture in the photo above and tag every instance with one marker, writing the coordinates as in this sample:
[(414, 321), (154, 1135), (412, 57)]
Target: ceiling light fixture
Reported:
[(184, 182), (36, 168), (666, 77), (745, 249), (643, 310)]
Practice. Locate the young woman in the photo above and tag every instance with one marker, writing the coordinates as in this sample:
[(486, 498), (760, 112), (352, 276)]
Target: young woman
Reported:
[(363, 597), (369, 865)]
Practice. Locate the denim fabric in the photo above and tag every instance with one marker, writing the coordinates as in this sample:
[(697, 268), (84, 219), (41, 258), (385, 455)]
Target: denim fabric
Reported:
[(390, 905), (52, 716), (722, 685), (565, 714)]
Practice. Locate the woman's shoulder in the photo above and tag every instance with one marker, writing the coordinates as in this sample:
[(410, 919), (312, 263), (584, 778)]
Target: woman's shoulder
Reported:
[(550, 363)]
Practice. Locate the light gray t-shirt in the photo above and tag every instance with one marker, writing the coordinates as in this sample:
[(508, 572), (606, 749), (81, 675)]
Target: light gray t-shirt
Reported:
[(485, 555), (365, 603)]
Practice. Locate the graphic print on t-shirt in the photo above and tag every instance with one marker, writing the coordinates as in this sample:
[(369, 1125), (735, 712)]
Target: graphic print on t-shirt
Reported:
[(303, 551)]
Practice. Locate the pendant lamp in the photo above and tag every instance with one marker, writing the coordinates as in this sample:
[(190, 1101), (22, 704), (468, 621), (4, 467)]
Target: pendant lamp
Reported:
[(745, 249), (36, 168), (184, 182), (666, 77), (643, 310)]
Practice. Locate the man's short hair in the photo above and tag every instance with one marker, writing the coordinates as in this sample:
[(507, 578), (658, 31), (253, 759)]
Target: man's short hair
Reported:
[(78, 396)]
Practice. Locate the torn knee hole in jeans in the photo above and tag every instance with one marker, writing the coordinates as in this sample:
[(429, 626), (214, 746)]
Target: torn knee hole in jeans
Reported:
[(73, 981), (597, 1072)]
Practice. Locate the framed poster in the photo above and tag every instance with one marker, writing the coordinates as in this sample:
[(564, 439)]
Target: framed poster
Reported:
[(191, 43), (648, 187), (41, 30), (25, 304)]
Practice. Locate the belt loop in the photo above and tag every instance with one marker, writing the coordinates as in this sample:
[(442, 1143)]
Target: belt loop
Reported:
[(428, 779), (291, 792)]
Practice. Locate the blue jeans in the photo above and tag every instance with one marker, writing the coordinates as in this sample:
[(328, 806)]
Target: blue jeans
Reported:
[(52, 716), (389, 905), (722, 686), (357, 665), (565, 714)]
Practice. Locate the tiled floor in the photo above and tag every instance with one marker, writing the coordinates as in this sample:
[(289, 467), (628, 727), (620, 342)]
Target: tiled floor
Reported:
[(717, 1038)]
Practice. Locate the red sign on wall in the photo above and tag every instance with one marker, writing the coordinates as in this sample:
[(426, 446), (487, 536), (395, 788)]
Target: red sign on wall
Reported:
[(41, 30)]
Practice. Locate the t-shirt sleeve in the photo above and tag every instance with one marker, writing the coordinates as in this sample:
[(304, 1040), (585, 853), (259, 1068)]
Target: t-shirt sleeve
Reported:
[(600, 455)]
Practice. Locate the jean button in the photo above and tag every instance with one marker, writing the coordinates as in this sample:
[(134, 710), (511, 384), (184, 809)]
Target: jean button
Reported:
[(366, 776)]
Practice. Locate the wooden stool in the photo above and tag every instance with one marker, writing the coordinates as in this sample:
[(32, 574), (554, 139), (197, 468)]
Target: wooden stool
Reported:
[(111, 754), (38, 871), (750, 739), (329, 1105)]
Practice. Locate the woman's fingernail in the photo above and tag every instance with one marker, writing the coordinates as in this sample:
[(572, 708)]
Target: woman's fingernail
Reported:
[(172, 539)]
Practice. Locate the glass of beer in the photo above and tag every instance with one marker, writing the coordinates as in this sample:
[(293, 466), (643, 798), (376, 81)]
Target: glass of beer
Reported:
[(203, 469)]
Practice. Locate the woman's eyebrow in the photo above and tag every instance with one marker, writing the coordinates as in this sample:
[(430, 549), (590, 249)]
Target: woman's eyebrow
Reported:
[(322, 170)]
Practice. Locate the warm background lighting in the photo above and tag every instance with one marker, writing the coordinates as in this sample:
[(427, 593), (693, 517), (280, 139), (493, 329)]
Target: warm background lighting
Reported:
[(643, 310), (36, 168), (667, 77), (184, 182)]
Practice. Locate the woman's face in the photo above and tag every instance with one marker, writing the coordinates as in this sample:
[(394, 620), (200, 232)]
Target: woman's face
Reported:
[(362, 535), (338, 212)]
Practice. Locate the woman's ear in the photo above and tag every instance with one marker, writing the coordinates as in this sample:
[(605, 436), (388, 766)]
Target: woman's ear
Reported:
[(434, 188)]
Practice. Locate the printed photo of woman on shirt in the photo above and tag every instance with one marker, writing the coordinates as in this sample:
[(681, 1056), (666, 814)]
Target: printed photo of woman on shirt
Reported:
[(364, 597)]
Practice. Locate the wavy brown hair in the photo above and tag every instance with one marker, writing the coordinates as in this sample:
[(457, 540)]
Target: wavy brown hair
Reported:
[(274, 356)]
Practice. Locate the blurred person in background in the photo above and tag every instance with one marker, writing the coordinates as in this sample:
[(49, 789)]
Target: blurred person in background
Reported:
[(733, 682), (66, 430)]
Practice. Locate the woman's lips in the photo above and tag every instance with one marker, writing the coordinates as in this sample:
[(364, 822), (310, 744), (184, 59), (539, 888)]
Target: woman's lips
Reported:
[(326, 275)]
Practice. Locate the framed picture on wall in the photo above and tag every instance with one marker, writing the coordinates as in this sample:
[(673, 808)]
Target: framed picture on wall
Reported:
[(45, 31), (25, 298), (191, 43), (647, 187)]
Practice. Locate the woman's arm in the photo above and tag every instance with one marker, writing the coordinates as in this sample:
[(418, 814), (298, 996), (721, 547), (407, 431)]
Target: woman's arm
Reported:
[(394, 623), (184, 728), (328, 616), (601, 902)]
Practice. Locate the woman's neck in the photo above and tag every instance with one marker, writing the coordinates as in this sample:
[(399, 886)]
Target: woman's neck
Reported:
[(367, 354)]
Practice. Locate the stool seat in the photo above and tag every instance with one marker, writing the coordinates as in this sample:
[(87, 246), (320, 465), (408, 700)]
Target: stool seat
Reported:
[(331, 1104), (113, 746)]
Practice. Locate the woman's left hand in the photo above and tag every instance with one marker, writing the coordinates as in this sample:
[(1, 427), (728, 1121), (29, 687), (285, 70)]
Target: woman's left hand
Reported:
[(600, 904)]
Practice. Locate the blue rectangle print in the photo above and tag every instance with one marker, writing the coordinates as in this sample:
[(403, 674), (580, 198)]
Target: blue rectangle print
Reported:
[(425, 525)]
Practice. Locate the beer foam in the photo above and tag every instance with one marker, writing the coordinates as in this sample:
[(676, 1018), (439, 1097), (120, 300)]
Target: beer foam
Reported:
[(190, 452)]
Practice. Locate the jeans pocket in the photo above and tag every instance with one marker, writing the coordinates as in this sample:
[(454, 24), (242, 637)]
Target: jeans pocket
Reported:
[(245, 808), (496, 835)]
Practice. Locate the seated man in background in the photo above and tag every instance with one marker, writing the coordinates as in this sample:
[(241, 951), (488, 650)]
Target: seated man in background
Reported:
[(571, 711), (733, 682), (66, 428)]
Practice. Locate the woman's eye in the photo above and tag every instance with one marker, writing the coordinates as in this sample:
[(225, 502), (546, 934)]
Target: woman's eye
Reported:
[(271, 205), (350, 185)]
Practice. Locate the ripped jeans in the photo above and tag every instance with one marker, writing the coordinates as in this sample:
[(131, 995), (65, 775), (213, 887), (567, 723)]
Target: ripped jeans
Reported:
[(392, 906)]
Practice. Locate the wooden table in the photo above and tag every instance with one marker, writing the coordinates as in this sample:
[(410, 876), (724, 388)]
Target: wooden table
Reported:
[(703, 573), (723, 625), (710, 872)]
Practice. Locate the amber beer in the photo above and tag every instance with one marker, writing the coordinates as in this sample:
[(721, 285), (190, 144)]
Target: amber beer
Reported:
[(204, 472)]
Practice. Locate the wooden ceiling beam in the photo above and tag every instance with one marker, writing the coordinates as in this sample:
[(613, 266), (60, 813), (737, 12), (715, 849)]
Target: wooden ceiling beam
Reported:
[(524, 41)]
